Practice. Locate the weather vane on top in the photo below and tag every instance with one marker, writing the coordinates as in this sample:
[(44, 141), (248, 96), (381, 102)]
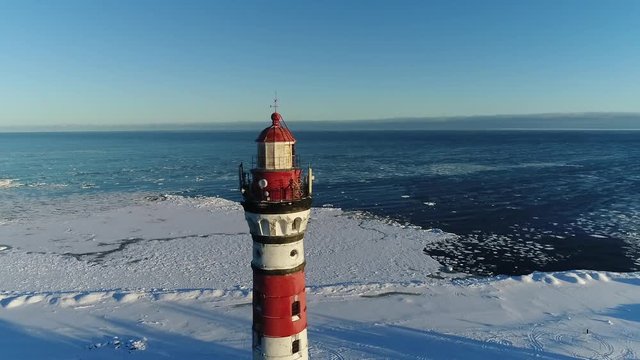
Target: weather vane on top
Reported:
[(275, 103)]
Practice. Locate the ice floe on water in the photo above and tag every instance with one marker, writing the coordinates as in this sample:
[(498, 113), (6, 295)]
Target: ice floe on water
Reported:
[(450, 169), (545, 165), (17, 183), (116, 343), (9, 183), (457, 169), (453, 169), (617, 221), (484, 253), (612, 233), (165, 276)]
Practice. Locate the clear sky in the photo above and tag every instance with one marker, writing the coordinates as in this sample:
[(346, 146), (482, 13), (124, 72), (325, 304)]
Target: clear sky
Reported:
[(95, 62)]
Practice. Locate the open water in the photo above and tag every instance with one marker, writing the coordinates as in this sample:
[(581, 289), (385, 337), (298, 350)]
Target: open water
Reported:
[(519, 201)]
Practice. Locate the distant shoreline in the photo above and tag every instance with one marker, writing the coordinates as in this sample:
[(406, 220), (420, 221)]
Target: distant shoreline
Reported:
[(223, 130), (546, 122)]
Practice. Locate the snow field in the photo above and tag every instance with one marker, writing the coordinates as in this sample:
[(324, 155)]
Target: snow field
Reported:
[(169, 277)]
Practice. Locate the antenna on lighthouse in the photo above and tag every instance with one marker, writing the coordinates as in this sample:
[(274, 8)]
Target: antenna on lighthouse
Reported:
[(275, 102), (275, 106)]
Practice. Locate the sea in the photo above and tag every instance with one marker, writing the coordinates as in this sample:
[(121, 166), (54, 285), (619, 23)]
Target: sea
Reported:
[(517, 201)]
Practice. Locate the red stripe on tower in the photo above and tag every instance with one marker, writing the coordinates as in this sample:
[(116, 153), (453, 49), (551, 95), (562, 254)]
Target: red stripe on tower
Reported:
[(277, 202)]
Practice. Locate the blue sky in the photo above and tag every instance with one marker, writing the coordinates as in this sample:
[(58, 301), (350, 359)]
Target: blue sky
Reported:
[(154, 61)]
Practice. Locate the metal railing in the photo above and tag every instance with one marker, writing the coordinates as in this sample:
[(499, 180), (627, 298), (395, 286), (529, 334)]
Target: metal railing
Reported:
[(294, 191)]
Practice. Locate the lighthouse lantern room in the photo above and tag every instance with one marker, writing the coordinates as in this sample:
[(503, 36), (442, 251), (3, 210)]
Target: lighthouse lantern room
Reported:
[(277, 201)]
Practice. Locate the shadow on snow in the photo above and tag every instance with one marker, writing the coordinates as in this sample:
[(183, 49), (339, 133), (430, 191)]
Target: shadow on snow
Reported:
[(332, 338), (349, 340)]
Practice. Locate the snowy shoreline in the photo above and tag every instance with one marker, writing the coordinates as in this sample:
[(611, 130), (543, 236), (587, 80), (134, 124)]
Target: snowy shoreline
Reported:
[(171, 275)]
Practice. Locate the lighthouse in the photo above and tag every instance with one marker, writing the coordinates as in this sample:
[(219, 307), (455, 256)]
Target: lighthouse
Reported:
[(277, 201)]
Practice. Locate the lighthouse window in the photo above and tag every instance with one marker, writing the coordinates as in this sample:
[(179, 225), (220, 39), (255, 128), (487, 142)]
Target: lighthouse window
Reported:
[(283, 226), (295, 310), (295, 346), (296, 224), (293, 253)]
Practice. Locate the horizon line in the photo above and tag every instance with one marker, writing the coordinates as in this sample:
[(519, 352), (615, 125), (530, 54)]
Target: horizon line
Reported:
[(422, 120)]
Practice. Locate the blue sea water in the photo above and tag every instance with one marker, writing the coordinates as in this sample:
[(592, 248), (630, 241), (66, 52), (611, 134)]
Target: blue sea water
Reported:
[(519, 201)]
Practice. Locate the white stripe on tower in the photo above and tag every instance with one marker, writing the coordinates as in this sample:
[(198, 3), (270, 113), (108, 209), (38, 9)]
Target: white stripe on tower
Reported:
[(278, 256), (280, 348), (277, 224)]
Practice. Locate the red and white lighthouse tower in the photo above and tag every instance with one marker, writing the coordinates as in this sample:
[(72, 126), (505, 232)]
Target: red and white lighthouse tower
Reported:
[(277, 202)]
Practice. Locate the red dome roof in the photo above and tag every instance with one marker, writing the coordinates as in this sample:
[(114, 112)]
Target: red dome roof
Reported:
[(276, 132)]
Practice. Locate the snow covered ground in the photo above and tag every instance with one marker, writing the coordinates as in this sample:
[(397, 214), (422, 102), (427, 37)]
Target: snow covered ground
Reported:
[(170, 278)]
